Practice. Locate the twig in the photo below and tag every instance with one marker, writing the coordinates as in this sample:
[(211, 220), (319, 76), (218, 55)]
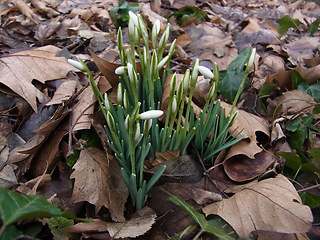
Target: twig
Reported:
[(309, 188)]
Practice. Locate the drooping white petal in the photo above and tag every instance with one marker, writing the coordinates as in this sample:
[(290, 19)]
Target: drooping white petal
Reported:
[(252, 56), (206, 72), (76, 64), (120, 70), (150, 114)]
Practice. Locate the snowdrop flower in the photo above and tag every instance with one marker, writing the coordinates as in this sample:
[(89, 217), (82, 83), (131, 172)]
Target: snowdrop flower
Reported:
[(137, 133), (171, 50), (107, 102), (120, 70), (206, 72), (251, 58), (134, 19), (194, 73), (131, 72), (76, 64), (165, 36), (110, 122), (185, 80), (211, 91), (126, 122), (173, 84), (146, 126), (156, 27), (150, 114), (174, 104), (125, 100), (163, 62), (119, 94)]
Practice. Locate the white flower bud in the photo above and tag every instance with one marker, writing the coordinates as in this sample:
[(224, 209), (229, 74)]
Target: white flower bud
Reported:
[(147, 125), (134, 19), (107, 102), (126, 122), (130, 72), (110, 122), (120, 70), (163, 62), (125, 100), (194, 74), (137, 133), (119, 94), (206, 72), (150, 114), (186, 79), (174, 104), (165, 36), (173, 84), (76, 64), (171, 50), (156, 26), (251, 58), (211, 91)]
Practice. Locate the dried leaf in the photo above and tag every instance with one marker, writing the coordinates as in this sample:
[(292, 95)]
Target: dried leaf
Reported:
[(291, 102), (23, 8), (250, 125), (91, 173), (7, 177), (19, 69), (271, 205), (138, 225)]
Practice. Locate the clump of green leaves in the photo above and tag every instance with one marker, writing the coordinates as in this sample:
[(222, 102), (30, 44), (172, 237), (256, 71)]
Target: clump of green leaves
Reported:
[(15, 207), (188, 12), (205, 225), (285, 23), (133, 128), (120, 15)]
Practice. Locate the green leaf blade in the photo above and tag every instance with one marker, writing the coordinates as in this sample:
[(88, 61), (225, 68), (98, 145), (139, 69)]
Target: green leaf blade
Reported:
[(15, 207)]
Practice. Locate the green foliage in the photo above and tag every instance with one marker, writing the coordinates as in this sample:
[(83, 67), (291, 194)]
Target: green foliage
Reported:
[(313, 90), (299, 83), (188, 12), (89, 138), (15, 207), (313, 27), (57, 223), (310, 199), (232, 77), (120, 15), (315, 154), (299, 130), (285, 23), (199, 218)]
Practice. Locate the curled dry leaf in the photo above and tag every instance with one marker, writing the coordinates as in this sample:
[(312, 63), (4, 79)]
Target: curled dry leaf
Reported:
[(91, 173), (138, 225), (250, 125), (292, 102), (20, 68), (272, 205)]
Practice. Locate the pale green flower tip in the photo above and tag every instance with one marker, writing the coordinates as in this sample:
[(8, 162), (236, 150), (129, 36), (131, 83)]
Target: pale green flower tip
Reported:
[(252, 56), (76, 64), (150, 114), (134, 18), (120, 70), (206, 72)]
